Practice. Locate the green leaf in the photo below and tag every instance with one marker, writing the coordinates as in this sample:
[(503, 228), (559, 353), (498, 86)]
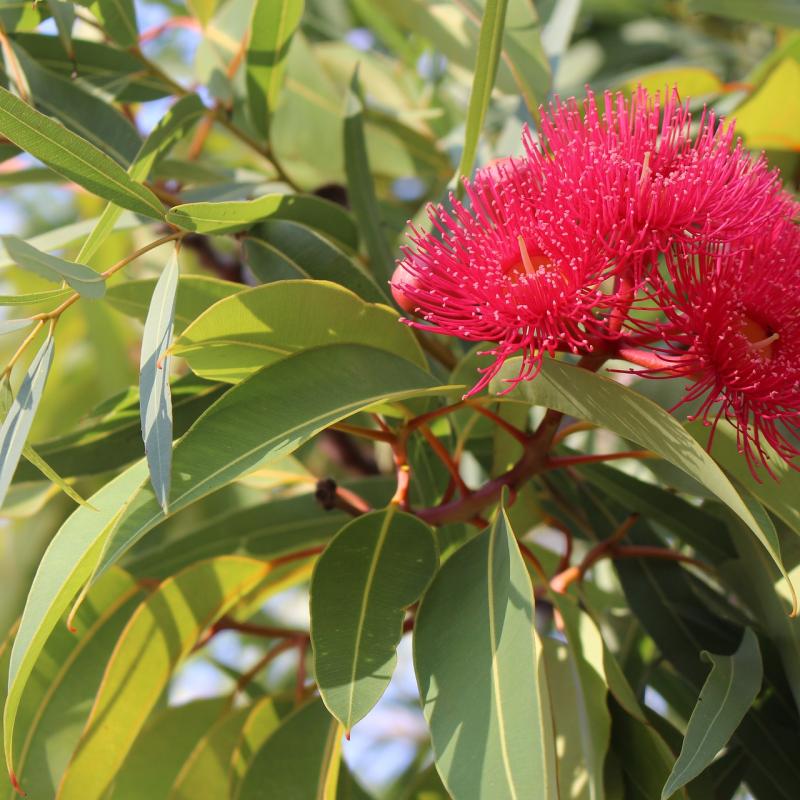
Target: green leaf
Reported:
[(160, 634), (118, 18), (375, 568), (300, 760), (195, 294), (34, 297), (81, 278), (83, 113), (757, 582), (59, 578), (154, 392), (97, 66), (777, 12), (63, 13), (259, 326), (474, 647), (731, 686), (173, 127), (273, 25), (207, 771), (490, 46), (115, 438), (587, 396), (263, 718), (644, 756), (576, 676), (249, 426), (55, 240), (780, 495), (72, 156), (13, 325), (238, 215), (19, 419), (252, 424), (360, 187), (279, 249), (267, 530), (166, 742), (57, 700)]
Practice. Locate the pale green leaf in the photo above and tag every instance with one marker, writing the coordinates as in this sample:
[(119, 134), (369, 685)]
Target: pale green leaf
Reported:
[(72, 156), (247, 331), (195, 294), (81, 278), (18, 421), (160, 634), (155, 399), (474, 647), (13, 325), (729, 690), (263, 718), (373, 569)]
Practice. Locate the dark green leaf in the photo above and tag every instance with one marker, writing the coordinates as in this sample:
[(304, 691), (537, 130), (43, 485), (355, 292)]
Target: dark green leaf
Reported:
[(360, 188), (118, 18)]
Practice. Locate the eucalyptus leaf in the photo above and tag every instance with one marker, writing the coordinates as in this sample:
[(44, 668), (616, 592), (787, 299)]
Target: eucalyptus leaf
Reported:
[(81, 278), (372, 570), (19, 419), (474, 645), (729, 690), (72, 156), (154, 391), (273, 24), (157, 638)]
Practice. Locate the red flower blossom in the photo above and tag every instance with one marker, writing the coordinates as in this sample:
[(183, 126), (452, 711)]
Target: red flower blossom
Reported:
[(635, 175), (494, 272), (733, 329)]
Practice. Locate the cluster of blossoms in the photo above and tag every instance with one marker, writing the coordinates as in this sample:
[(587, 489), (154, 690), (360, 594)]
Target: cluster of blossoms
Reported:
[(622, 207)]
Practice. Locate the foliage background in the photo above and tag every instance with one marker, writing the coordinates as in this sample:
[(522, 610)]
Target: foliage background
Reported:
[(415, 67)]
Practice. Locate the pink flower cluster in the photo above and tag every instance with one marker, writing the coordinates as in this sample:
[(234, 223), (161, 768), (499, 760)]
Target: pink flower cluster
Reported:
[(623, 207)]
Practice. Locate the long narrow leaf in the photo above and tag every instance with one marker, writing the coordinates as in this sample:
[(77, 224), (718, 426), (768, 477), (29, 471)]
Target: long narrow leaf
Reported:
[(490, 46), (18, 422), (80, 277), (361, 190), (155, 399), (72, 156), (273, 25)]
